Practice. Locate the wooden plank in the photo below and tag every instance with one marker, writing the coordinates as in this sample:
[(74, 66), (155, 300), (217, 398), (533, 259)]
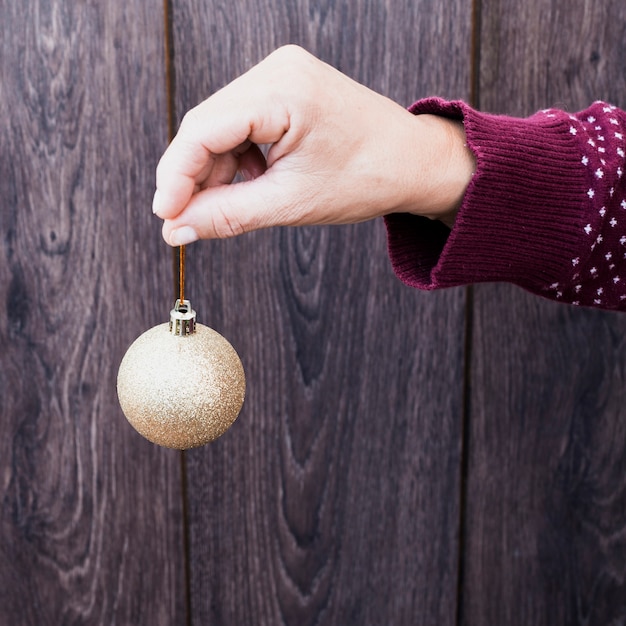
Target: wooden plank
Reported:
[(335, 497), (546, 505), (90, 513)]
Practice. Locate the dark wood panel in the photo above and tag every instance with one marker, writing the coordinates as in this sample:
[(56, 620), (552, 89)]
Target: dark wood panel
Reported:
[(551, 53), (90, 513), (546, 498), (335, 497)]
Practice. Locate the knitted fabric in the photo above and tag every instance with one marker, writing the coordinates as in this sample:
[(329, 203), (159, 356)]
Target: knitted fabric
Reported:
[(545, 209)]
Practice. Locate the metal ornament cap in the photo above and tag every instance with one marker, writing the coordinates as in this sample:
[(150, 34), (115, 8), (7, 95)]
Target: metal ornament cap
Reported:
[(181, 391), (182, 318)]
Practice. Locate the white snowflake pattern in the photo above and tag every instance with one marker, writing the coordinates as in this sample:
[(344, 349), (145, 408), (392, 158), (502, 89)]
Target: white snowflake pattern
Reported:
[(596, 275)]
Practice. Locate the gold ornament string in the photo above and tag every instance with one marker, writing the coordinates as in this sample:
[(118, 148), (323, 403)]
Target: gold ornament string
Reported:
[(181, 273)]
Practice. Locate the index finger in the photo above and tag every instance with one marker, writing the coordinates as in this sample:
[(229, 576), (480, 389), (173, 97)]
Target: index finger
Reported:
[(218, 125)]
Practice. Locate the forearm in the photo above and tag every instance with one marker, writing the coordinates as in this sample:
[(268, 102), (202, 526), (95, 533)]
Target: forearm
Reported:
[(543, 210)]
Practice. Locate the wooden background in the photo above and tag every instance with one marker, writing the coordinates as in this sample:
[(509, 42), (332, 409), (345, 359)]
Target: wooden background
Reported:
[(402, 458)]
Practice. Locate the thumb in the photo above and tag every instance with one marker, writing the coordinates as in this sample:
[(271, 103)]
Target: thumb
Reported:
[(230, 210)]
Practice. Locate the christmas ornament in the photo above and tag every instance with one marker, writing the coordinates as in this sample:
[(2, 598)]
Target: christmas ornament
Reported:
[(181, 385)]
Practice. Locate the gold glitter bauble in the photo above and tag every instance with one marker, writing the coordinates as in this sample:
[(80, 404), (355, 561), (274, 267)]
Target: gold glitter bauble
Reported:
[(181, 391)]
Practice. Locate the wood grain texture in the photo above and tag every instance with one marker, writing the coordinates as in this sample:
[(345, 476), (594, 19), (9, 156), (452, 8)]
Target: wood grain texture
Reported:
[(90, 514), (545, 527), (335, 497)]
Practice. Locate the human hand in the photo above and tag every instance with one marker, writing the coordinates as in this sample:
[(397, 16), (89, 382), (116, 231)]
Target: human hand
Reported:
[(338, 153)]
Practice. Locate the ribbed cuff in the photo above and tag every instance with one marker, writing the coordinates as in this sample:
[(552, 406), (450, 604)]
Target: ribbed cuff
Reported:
[(521, 217)]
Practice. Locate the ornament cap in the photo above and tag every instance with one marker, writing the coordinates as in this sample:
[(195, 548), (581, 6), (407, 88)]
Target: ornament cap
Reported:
[(182, 319)]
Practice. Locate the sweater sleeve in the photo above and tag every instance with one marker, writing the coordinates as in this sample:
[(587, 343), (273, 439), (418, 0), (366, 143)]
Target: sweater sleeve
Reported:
[(545, 209)]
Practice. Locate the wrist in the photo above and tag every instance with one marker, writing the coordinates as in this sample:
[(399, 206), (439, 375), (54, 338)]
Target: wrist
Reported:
[(446, 166)]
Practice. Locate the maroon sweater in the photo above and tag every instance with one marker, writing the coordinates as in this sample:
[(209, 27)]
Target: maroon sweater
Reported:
[(546, 208)]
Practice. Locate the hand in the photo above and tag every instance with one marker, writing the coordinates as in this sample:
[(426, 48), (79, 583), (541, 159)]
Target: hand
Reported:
[(338, 153)]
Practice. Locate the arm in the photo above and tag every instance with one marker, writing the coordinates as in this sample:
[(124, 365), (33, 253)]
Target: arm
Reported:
[(545, 210)]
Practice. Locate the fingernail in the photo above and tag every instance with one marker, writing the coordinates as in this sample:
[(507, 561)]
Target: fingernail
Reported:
[(156, 202), (182, 236)]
